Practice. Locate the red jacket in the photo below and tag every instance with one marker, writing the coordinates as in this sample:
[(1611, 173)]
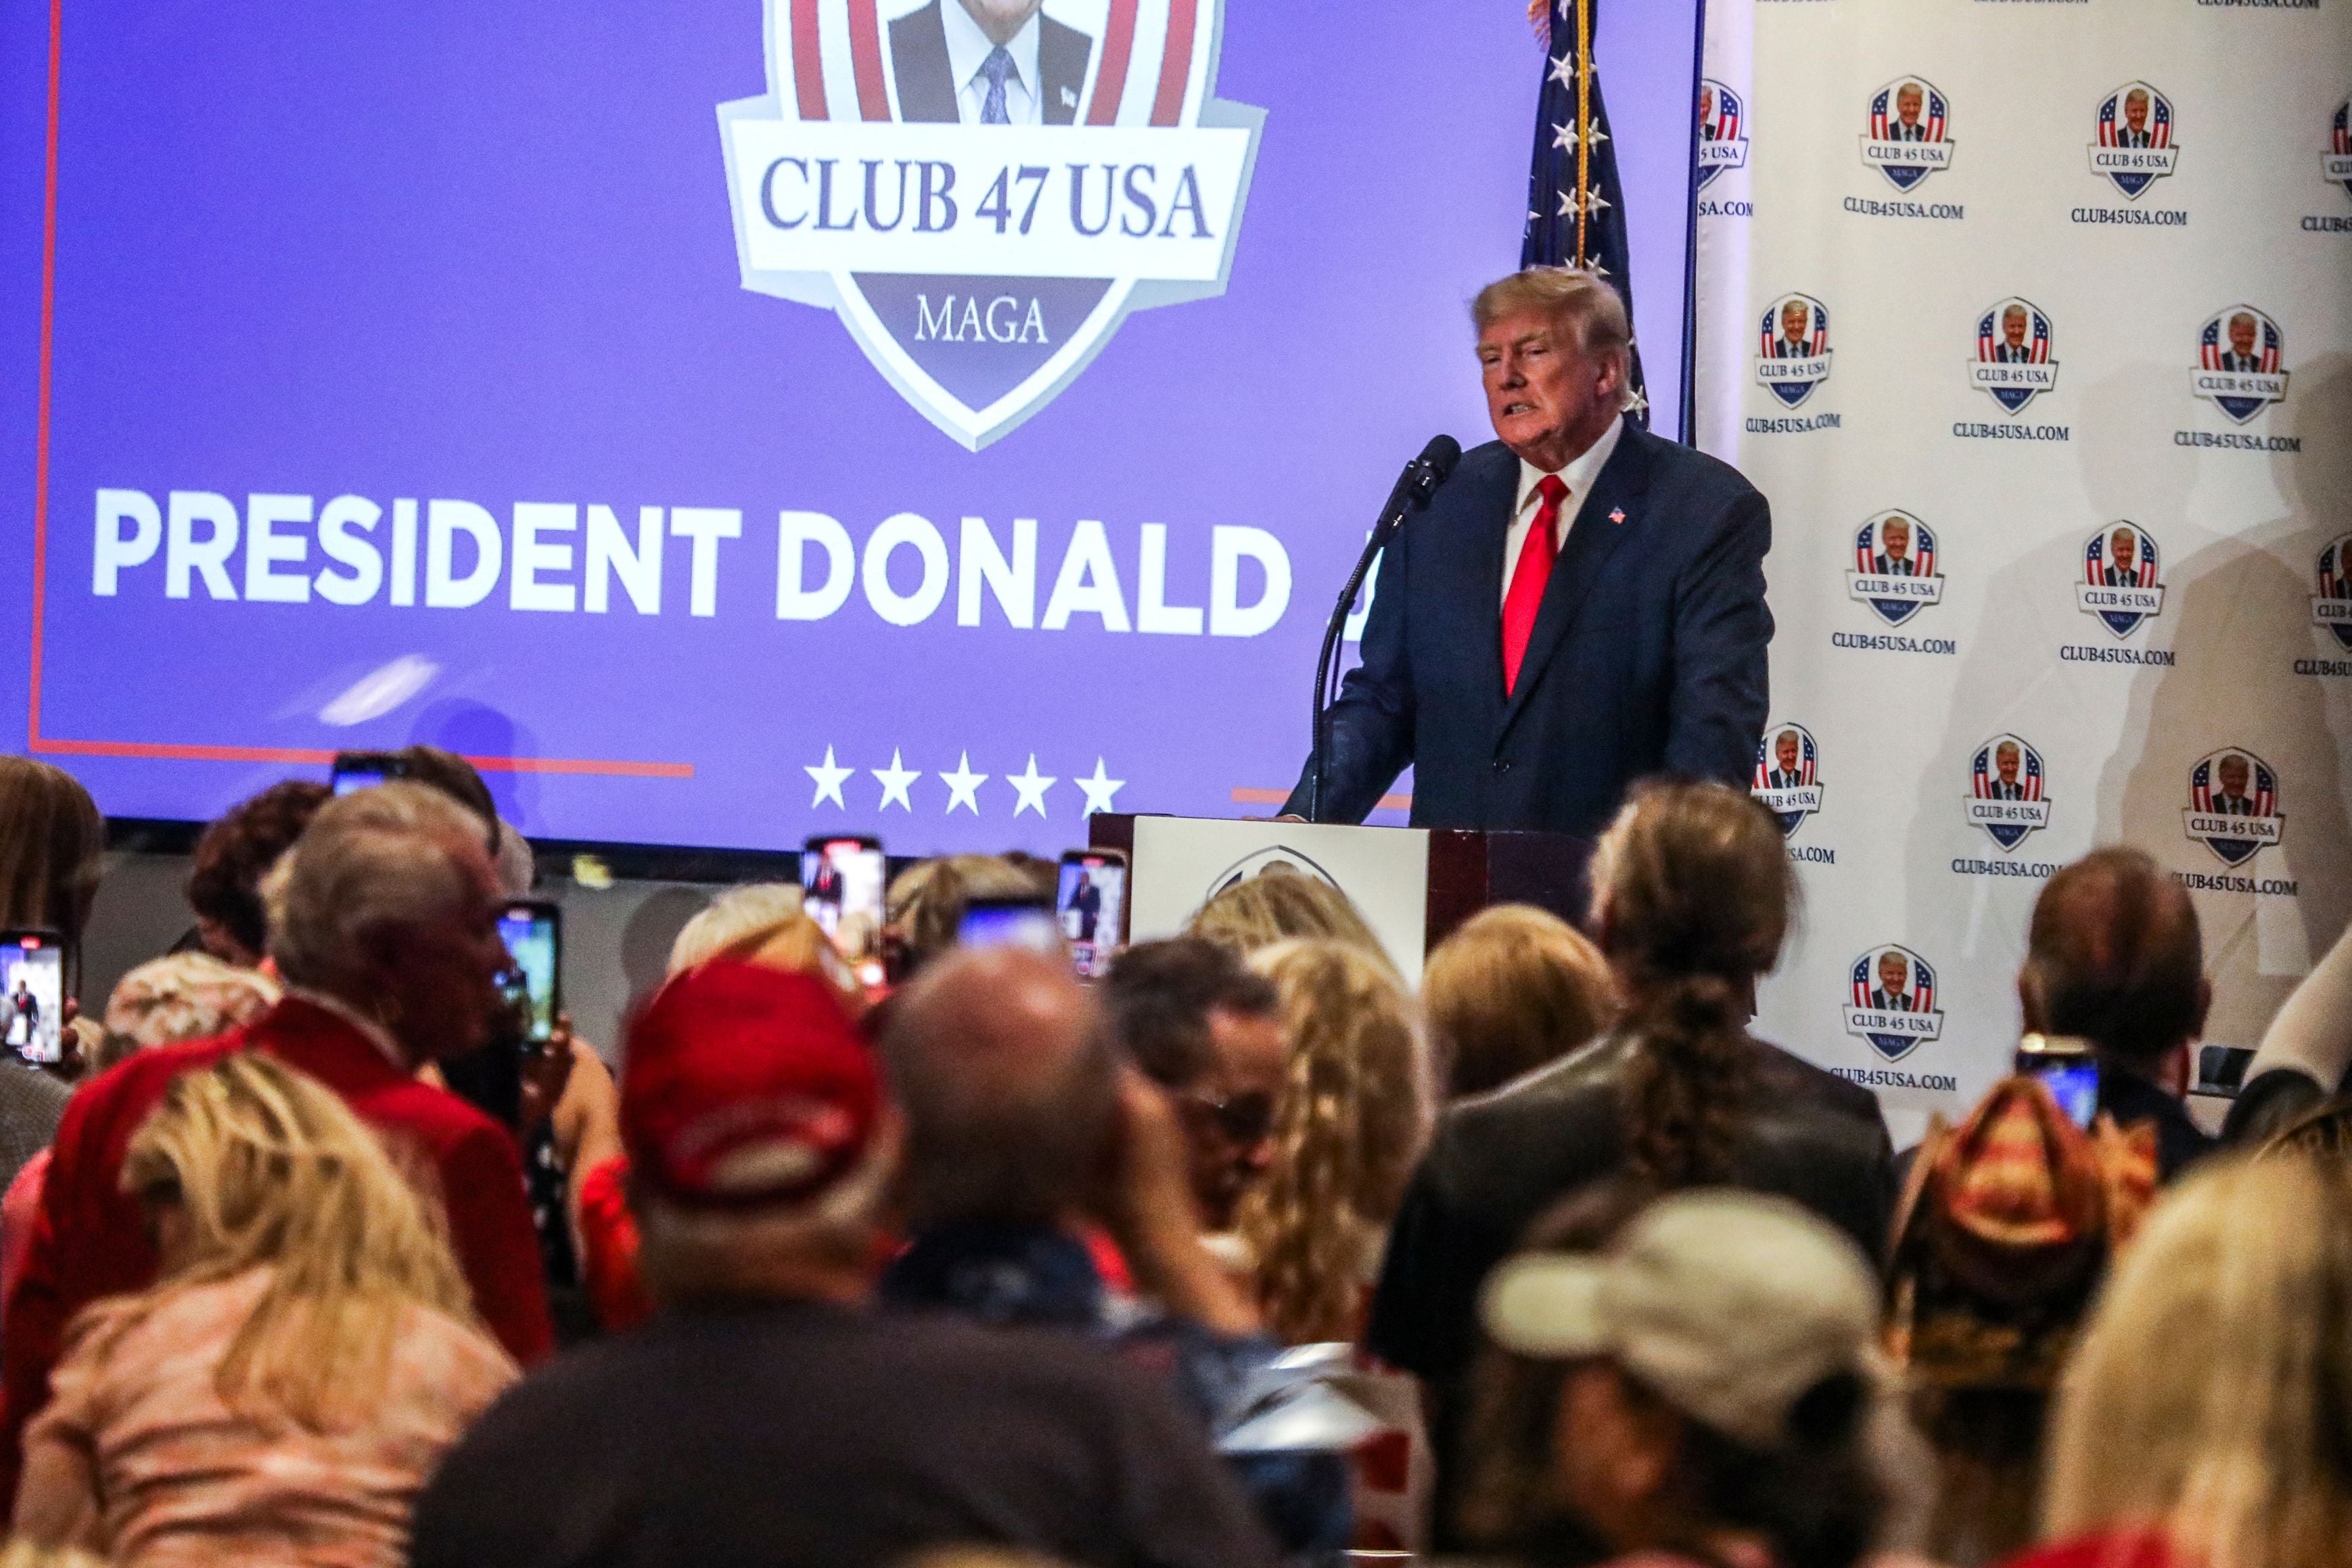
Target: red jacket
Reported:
[(91, 1239)]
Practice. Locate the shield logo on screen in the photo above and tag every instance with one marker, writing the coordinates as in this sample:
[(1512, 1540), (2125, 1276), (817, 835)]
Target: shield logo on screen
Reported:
[(982, 192)]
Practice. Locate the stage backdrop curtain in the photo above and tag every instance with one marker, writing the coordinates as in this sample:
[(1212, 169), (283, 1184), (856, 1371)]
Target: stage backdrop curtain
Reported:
[(2013, 277)]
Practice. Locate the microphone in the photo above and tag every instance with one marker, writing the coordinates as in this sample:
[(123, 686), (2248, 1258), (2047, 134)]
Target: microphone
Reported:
[(1413, 487)]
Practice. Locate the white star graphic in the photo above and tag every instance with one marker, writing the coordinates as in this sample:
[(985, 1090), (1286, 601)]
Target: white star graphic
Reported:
[(1564, 137), (1100, 790), (828, 781), (1635, 402), (893, 780), (1031, 786), (1566, 204), (1563, 70), (1600, 271), (963, 785)]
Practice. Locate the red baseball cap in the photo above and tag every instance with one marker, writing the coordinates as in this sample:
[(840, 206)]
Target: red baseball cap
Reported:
[(746, 1085)]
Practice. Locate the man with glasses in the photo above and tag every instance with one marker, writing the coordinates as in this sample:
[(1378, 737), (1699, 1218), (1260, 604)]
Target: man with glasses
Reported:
[(1205, 1027)]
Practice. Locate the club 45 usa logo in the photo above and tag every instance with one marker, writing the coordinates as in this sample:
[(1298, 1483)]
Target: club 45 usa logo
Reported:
[(981, 189), (1891, 1001), (2233, 805), (2121, 584), (1894, 567), (1787, 781), (2332, 606), (2005, 794)]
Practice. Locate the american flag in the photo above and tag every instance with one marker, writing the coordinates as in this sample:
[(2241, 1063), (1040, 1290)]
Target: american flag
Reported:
[(2094, 563), (2214, 343), (1932, 120), (2159, 119), (1767, 757), (1816, 344), (1726, 117), (1576, 204), (2029, 772), (1923, 980), (1923, 548), (1988, 334), (2265, 791)]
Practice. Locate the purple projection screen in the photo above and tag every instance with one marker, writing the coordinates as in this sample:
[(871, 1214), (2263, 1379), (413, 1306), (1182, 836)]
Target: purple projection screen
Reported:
[(714, 421)]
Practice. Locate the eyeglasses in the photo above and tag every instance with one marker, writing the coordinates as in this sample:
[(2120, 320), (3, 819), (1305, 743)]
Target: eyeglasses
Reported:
[(1244, 1118)]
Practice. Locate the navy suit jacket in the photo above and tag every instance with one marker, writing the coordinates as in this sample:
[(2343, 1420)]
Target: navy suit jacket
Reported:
[(927, 85), (1647, 657)]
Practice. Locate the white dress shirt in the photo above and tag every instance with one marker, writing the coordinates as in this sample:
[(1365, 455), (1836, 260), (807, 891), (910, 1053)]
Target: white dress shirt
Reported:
[(375, 1033), (968, 50), (1579, 477)]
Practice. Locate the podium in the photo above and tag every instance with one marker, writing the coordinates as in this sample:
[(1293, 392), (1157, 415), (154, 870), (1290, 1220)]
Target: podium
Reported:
[(1412, 885)]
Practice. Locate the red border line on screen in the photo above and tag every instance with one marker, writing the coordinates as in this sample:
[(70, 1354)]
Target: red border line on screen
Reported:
[(48, 321), (37, 742)]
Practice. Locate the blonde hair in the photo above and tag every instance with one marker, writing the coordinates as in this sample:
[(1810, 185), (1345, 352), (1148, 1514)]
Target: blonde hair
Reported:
[(1512, 988), (2211, 1396), (272, 1171), (926, 902), (764, 923), (1279, 903), (1348, 1126), (1565, 294)]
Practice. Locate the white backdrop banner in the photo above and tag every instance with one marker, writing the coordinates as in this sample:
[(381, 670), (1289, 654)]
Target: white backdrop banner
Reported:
[(2034, 322)]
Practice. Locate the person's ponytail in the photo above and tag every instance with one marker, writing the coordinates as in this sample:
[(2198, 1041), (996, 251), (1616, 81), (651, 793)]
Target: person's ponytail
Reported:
[(1692, 894), (1687, 1082)]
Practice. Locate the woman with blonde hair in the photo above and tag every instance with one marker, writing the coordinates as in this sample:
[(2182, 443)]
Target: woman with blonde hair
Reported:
[(1348, 1126), (1281, 903), (2207, 1415), (1512, 988), (309, 1353)]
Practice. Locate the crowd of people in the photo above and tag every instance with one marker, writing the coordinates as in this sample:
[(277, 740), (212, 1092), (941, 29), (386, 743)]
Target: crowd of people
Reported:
[(1253, 1251)]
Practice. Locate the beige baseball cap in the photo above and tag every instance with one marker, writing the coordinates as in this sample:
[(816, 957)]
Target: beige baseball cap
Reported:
[(1728, 1305)]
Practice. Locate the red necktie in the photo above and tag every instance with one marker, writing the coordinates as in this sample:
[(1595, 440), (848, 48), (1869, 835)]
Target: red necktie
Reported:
[(1527, 579)]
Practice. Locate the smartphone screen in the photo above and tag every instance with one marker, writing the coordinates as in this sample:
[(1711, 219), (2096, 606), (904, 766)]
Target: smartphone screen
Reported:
[(1010, 922), (1092, 905), (843, 881), (2072, 1076), (356, 771), (533, 934), (33, 994)]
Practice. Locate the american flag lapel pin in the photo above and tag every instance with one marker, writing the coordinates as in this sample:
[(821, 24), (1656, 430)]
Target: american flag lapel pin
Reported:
[(1617, 515)]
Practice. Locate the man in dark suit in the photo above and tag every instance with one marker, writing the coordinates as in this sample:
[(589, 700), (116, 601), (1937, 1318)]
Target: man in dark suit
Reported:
[(987, 62), (1581, 605), (2242, 356), (2123, 545), (1796, 339), (1893, 557), (24, 1016), (2005, 761), (1086, 903), (1894, 993), (1784, 751), (1707, 129), (2133, 131), (2233, 800), (1905, 126), (2012, 348)]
